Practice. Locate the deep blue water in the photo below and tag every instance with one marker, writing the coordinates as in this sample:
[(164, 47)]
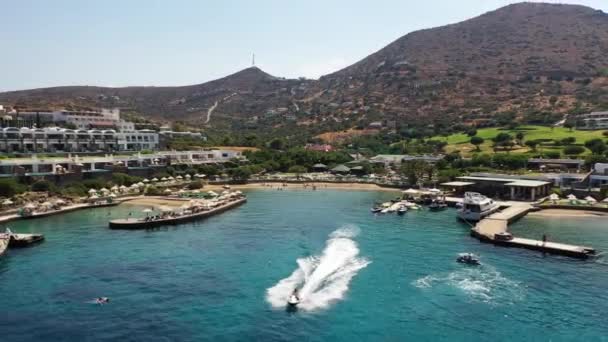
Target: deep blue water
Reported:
[(208, 280)]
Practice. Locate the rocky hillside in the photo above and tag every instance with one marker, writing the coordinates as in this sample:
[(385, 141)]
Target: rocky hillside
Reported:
[(527, 58)]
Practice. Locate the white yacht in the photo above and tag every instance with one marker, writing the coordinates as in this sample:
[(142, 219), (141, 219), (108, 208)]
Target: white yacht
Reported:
[(476, 206)]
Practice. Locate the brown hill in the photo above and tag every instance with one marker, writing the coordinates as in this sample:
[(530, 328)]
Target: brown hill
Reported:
[(526, 57)]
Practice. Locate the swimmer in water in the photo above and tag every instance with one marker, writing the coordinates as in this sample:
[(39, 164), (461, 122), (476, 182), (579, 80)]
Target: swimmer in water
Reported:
[(102, 300)]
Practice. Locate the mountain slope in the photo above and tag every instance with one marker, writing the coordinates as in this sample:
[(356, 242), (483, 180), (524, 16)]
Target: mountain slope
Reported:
[(526, 58)]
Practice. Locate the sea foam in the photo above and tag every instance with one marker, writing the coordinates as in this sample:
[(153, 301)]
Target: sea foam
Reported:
[(322, 279)]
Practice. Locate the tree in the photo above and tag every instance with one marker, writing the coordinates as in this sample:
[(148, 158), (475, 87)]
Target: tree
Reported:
[(414, 170), (568, 141), (520, 137), (573, 150), (277, 144), (475, 140), (597, 146), (241, 173), (569, 125), (472, 132), (532, 144), (502, 137), (10, 187)]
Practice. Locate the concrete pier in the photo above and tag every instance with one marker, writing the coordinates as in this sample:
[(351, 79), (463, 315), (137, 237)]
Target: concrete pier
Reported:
[(493, 229), (143, 224)]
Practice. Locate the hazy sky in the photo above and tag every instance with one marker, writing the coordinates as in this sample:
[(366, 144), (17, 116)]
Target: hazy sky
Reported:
[(148, 42)]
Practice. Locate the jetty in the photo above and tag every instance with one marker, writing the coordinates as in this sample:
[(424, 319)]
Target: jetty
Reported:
[(494, 229), (147, 223)]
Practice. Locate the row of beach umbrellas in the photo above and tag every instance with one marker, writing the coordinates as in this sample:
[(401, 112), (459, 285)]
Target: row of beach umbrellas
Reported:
[(171, 178)]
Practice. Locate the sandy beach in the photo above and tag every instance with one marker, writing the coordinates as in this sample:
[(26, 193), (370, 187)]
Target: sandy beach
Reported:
[(156, 202), (567, 213), (300, 186)]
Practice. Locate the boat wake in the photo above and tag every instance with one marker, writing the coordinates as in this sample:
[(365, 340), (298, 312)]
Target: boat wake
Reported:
[(322, 279), (483, 284)]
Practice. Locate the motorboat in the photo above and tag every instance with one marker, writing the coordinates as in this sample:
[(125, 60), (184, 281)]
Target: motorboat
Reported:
[(438, 205), (5, 238), (402, 210), (468, 258), (476, 206), (376, 209)]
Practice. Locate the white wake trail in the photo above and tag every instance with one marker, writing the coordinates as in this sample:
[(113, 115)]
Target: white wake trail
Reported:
[(322, 279)]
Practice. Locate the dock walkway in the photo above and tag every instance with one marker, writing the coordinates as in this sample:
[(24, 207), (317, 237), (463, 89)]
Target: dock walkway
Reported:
[(132, 223), (487, 230)]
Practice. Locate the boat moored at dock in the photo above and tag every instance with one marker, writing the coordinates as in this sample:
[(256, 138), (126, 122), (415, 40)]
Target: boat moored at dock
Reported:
[(476, 206)]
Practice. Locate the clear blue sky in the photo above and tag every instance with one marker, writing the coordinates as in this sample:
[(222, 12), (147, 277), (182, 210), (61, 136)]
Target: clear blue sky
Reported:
[(148, 42)]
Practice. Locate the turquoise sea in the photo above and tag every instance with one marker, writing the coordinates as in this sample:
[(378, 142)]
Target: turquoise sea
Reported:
[(363, 277)]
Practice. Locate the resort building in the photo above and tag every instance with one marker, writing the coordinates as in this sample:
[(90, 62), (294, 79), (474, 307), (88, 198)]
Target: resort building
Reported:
[(55, 139), (397, 159), (141, 164), (595, 120), (555, 164), (508, 188), (81, 119)]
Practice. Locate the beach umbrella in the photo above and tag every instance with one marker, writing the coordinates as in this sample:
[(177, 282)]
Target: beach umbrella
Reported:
[(605, 200), (112, 195), (554, 197), (146, 180), (114, 188), (7, 202), (435, 190), (411, 191), (140, 184), (188, 176), (571, 197), (59, 201), (590, 199), (179, 177), (94, 197), (92, 191), (30, 206), (167, 191), (181, 191), (164, 179), (134, 185), (147, 210), (170, 178), (104, 190), (212, 193), (155, 179), (201, 176)]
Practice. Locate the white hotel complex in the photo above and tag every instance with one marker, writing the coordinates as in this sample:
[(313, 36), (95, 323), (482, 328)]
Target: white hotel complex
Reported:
[(95, 131)]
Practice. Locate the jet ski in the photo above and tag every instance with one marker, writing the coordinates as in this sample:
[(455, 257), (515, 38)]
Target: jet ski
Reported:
[(468, 258), (376, 209), (293, 300)]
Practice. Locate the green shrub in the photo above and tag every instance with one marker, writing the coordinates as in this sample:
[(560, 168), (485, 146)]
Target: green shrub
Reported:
[(42, 185), (10, 187), (154, 191), (197, 184)]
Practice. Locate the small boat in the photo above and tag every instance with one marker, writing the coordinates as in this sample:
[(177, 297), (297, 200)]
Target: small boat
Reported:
[(468, 258), (476, 206), (438, 206), (402, 211), (376, 209)]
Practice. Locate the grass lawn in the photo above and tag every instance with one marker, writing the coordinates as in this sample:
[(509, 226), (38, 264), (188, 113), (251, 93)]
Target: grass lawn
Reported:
[(460, 141)]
